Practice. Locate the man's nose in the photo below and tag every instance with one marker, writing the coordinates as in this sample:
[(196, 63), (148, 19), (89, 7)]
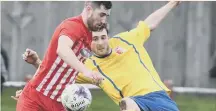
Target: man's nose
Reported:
[(100, 42)]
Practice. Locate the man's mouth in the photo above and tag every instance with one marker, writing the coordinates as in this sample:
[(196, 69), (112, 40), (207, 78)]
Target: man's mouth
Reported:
[(100, 49)]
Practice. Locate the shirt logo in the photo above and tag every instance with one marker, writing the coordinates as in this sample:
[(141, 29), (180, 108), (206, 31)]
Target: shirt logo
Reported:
[(119, 50), (85, 53)]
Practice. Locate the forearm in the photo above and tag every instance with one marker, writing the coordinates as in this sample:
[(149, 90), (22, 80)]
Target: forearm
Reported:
[(70, 58), (156, 17)]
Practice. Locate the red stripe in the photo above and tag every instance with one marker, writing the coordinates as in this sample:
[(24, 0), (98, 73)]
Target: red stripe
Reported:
[(64, 85), (62, 75), (80, 58), (71, 74), (58, 81), (83, 59), (52, 75), (74, 78)]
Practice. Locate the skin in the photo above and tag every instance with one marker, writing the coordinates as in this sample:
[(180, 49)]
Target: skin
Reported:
[(100, 43), (94, 18), (100, 47)]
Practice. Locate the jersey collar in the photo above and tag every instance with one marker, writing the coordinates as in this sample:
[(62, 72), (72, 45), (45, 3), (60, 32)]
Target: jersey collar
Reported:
[(104, 55)]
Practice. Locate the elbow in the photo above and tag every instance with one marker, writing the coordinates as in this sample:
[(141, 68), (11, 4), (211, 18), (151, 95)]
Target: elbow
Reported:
[(153, 26), (58, 50)]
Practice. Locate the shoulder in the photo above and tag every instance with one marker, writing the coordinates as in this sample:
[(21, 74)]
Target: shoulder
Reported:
[(72, 26), (72, 22)]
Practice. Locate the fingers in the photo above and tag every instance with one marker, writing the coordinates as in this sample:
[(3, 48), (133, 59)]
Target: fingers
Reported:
[(26, 54), (177, 2), (98, 78), (24, 57), (18, 93), (29, 52), (15, 98)]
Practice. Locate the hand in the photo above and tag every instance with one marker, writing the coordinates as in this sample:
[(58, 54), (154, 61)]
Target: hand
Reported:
[(175, 2), (30, 56), (18, 93), (178, 2), (96, 77)]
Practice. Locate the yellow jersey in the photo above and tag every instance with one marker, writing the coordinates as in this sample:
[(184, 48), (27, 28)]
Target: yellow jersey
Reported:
[(128, 70)]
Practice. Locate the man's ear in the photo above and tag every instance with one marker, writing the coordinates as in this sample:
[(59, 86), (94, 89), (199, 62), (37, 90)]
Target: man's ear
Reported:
[(88, 6), (87, 3)]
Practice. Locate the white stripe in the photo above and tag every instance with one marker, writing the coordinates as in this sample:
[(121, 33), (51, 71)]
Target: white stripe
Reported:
[(79, 56), (55, 78), (63, 80), (57, 61), (75, 49), (72, 81), (72, 78)]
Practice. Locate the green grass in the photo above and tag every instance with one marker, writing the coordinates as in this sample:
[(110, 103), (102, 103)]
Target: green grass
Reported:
[(101, 102)]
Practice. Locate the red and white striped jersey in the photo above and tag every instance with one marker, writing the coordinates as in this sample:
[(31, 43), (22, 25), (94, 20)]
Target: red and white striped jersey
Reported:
[(54, 74)]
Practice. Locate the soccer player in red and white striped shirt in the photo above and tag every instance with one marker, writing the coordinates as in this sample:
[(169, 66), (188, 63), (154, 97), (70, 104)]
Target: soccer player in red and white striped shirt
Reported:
[(63, 59)]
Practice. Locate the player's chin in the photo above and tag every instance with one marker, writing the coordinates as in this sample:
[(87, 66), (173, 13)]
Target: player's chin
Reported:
[(101, 54)]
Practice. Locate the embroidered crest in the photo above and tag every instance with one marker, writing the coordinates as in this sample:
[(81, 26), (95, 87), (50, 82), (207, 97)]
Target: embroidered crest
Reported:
[(85, 52), (119, 50)]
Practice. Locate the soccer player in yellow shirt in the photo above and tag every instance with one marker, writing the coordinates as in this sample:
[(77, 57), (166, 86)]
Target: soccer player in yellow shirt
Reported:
[(130, 77)]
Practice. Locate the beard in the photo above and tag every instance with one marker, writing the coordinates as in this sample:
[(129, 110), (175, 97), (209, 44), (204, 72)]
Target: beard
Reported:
[(90, 24), (92, 27)]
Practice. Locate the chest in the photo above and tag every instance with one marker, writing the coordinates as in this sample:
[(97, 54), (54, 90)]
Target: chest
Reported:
[(122, 63)]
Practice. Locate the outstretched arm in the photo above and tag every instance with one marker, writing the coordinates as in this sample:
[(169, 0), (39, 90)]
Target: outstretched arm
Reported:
[(31, 57), (64, 51), (156, 17)]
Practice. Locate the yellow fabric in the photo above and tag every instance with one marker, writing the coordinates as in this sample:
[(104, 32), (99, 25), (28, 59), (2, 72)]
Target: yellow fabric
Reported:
[(131, 71)]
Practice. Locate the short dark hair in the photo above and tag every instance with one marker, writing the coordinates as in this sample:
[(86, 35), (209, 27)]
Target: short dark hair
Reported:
[(106, 4), (106, 27)]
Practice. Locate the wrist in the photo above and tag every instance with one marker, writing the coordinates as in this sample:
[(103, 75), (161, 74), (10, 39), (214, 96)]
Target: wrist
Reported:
[(38, 62), (174, 3), (86, 71)]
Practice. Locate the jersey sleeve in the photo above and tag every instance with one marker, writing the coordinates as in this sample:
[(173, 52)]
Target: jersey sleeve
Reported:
[(137, 35), (70, 29), (81, 79)]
